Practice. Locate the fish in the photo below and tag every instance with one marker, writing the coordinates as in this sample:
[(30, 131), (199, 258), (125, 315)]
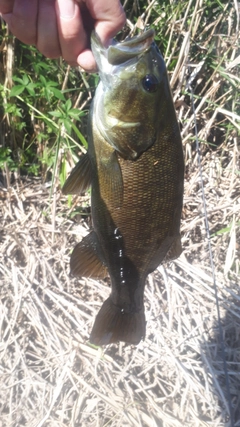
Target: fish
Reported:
[(135, 168)]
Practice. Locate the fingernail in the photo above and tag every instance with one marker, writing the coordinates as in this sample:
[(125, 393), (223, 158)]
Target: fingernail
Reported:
[(87, 62), (66, 8)]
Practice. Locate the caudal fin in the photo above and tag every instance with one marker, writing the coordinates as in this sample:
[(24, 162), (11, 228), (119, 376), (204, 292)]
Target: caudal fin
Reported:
[(113, 324)]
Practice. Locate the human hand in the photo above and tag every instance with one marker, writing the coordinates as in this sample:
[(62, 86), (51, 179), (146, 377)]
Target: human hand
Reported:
[(63, 27)]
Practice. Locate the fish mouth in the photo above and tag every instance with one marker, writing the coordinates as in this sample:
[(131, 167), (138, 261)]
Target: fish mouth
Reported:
[(119, 53), (128, 49)]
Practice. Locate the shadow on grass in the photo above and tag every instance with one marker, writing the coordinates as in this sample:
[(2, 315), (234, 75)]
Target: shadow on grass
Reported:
[(221, 353)]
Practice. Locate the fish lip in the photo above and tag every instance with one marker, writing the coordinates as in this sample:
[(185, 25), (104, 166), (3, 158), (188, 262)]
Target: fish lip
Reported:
[(130, 48), (120, 53)]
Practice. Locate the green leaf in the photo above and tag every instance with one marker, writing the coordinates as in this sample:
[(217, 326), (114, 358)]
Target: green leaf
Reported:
[(42, 65), (43, 80), (57, 93), (16, 90), (75, 113), (80, 135), (56, 113), (68, 125), (25, 80), (17, 79), (30, 88), (50, 83), (68, 105)]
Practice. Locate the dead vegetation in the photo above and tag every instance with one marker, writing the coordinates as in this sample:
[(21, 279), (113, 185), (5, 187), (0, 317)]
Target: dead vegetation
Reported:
[(50, 375)]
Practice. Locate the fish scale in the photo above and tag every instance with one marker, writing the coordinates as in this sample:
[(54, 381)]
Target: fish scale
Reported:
[(152, 196)]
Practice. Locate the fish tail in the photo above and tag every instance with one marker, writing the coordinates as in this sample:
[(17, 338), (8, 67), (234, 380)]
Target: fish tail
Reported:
[(112, 324)]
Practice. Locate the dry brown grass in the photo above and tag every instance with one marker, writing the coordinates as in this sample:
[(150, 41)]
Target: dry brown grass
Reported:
[(49, 374)]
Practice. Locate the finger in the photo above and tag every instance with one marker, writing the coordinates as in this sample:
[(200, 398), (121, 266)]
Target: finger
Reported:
[(72, 35), (86, 61), (6, 6), (47, 30), (22, 20), (109, 16)]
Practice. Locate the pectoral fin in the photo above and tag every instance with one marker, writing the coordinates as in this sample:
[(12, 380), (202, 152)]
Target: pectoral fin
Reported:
[(79, 179), (87, 260), (111, 181)]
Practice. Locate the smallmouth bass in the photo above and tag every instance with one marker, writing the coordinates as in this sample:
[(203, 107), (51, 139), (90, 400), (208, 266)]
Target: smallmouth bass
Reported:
[(134, 166)]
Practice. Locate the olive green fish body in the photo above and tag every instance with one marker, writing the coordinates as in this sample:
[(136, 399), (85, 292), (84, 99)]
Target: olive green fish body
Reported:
[(136, 161)]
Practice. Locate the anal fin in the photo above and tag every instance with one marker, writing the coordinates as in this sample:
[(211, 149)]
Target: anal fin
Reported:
[(113, 324), (87, 260), (79, 179), (169, 249), (175, 250)]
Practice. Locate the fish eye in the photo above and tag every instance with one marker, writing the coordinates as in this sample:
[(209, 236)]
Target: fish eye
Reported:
[(150, 83)]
